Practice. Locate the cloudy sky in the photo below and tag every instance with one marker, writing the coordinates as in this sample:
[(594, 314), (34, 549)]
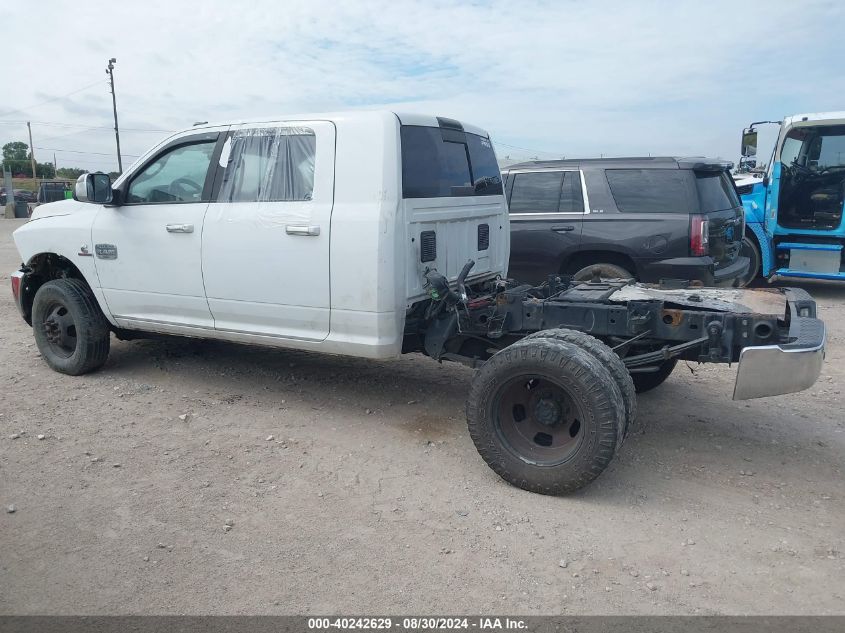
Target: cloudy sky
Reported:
[(546, 79)]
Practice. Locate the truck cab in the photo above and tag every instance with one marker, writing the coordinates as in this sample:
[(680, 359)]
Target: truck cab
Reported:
[(794, 207)]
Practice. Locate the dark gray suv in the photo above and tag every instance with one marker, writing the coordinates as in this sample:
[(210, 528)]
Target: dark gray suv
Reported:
[(651, 219)]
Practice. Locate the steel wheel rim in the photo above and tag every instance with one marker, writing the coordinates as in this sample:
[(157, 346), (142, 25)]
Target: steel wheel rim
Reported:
[(538, 420), (59, 330)]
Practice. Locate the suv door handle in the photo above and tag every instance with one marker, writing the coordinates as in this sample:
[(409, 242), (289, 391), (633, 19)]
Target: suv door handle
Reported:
[(563, 229), (292, 229), (180, 228)]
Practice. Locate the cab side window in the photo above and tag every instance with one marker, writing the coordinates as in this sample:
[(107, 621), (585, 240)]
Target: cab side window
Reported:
[(268, 165), (176, 176)]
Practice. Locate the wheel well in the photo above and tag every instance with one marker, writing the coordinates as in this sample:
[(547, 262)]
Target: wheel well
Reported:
[(586, 258), (40, 269), (753, 236)]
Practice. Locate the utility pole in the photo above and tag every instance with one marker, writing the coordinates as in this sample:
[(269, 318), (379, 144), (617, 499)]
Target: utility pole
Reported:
[(110, 73), (31, 151)]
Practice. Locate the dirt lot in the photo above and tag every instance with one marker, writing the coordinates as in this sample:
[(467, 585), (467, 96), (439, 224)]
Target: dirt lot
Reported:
[(352, 486)]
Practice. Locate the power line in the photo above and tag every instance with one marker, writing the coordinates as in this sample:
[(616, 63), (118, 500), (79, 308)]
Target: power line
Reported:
[(52, 99), (76, 125), (526, 149), (76, 151), (74, 133)]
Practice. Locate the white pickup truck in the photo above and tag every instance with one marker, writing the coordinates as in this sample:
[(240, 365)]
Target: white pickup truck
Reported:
[(374, 234)]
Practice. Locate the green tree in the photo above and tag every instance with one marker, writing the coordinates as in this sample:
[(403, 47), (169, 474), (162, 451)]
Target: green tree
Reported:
[(45, 170), (16, 150), (22, 167), (71, 173)]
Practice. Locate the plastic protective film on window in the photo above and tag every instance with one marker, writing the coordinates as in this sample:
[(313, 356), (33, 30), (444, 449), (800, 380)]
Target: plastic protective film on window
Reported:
[(270, 165)]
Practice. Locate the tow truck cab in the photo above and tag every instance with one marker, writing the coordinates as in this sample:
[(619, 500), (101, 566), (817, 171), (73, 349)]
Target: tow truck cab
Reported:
[(793, 209)]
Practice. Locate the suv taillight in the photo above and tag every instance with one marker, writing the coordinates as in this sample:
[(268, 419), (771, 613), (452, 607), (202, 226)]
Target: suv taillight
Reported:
[(699, 236)]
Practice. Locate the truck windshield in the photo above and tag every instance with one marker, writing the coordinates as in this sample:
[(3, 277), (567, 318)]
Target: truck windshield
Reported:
[(816, 148), (434, 166)]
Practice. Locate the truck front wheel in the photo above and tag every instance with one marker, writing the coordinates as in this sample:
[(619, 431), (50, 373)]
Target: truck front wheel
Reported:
[(751, 250), (70, 331), (545, 415)]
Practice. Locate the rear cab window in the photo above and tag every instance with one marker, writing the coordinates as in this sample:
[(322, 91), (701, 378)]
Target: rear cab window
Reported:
[(446, 162), (269, 165)]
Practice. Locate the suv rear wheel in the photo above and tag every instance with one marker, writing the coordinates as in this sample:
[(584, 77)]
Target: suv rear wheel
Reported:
[(70, 330), (601, 270)]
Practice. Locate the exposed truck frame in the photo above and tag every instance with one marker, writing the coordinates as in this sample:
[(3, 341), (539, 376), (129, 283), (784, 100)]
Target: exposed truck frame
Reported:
[(644, 325)]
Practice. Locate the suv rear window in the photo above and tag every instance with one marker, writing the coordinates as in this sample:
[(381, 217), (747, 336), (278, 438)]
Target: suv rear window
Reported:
[(716, 191), (436, 167), (650, 190)]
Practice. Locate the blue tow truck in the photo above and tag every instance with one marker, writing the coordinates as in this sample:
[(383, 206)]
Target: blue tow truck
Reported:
[(793, 208)]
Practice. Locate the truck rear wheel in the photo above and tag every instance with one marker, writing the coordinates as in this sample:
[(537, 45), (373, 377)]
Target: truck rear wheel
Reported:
[(608, 358), (70, 331), (545, 415), (648, 380)]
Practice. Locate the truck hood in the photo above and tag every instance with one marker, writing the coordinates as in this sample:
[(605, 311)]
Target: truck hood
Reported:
[(52, 209), (741, 180)]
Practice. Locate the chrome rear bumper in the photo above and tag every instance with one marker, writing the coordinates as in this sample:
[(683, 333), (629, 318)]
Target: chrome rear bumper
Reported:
[(771, 370)]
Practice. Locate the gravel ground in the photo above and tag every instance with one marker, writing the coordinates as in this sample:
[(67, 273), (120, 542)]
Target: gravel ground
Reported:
[(199, 477)]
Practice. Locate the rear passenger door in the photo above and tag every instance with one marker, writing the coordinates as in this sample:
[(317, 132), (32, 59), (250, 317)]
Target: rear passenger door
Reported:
[(265, 246), (546, 213)]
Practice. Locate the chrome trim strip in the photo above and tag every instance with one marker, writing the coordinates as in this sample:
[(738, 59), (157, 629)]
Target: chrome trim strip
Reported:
[(532, 171), (546, 216), (584, 193)]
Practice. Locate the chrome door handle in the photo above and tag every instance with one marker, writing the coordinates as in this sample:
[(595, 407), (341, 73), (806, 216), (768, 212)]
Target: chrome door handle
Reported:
[(292, 229), (562, 229), (180, 228)]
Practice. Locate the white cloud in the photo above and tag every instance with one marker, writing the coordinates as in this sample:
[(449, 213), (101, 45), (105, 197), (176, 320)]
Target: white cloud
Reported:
[(560, 77)]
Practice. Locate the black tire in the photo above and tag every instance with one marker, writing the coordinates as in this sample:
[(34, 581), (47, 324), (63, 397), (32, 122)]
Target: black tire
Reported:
[(751, 250), (646, 381), (611, 362), (70, 330), (545, 415), (603, 270)]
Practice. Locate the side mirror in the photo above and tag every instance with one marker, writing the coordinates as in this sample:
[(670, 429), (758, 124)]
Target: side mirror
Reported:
[(94, 188), (749, 142)]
